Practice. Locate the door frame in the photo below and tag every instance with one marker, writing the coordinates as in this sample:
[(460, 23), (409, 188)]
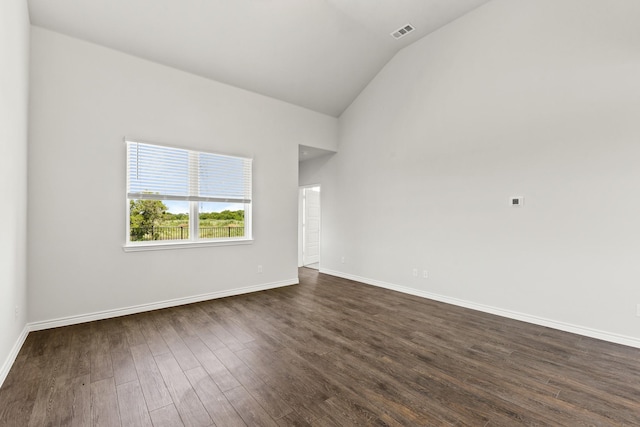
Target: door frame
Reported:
[(301, 228)]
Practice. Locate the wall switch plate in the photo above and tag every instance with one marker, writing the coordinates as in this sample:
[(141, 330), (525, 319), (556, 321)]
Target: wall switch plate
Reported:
[(425, 274), (259, 269), (415, 272), (342, 260)]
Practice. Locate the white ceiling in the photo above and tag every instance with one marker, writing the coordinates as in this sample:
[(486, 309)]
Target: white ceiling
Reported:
[(318, 54)]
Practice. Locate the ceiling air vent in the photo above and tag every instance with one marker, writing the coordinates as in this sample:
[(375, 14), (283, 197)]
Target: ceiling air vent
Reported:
[(402, 31)]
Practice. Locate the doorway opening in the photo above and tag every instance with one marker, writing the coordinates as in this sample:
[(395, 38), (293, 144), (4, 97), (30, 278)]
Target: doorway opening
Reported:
[(309, 227)]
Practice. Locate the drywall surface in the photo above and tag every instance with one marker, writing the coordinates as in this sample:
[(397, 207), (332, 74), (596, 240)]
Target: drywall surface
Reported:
[(84, 100), (14, 96), (538, 99), (312, 172)]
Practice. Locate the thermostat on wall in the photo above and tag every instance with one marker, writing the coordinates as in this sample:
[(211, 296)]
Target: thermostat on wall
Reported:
[(516, 201)]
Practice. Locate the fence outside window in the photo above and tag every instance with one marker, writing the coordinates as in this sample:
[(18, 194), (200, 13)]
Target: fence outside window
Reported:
[(182, 233)]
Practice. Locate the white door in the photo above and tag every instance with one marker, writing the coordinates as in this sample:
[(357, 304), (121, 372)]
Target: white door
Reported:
[(311, 226)]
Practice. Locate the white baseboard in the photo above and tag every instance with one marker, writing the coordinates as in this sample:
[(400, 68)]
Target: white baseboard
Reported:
[(8, 363), (562, 326), (106, 314)]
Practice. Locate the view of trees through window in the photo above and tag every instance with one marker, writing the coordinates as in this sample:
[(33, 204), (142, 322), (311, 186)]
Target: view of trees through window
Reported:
[(152, 220), (176, 194)]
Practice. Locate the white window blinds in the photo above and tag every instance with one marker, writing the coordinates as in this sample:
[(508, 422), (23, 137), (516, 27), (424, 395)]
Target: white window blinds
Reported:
[(167, 173)]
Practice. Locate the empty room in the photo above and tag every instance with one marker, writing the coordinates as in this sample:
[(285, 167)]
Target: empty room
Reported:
[(319, 212)]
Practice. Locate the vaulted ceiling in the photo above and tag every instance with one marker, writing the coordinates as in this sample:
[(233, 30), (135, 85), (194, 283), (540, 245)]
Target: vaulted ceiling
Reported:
[(317, 54)]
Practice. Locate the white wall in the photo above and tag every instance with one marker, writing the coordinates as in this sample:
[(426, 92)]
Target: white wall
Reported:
[(84, 100), (539, 99), (14, 95)]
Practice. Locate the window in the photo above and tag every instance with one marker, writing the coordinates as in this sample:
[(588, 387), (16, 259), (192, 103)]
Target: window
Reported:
[(179, 197)]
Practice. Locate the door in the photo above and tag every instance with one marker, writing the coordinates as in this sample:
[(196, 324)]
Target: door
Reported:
[(311, 225)]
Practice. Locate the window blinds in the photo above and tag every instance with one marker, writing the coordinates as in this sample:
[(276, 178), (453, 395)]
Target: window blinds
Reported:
[(166, 173)]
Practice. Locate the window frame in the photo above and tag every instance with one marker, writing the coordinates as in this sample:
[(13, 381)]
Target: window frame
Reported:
[(194, 218)]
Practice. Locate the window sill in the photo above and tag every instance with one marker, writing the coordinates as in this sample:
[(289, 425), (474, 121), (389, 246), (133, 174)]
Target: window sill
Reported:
[(133, 247)]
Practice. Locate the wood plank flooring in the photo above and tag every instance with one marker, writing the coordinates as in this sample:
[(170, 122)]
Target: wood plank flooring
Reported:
[(328, 352)]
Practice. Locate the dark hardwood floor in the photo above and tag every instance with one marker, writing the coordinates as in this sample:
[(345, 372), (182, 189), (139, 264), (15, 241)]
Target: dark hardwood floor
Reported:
[(329, 352)]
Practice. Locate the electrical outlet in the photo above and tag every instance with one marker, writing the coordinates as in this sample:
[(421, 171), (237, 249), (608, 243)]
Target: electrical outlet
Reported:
[(415, 272), (342, 260), (17, 313), (259, 269), (425, 274)]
